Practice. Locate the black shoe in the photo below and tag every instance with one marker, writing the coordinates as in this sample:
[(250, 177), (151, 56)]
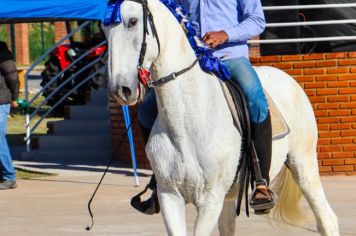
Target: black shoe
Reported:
[(151, 205), (7, 184), (262, 197)]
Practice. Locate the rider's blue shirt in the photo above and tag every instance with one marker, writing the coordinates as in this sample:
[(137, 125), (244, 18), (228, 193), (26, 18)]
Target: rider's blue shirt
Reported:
[(240, 19)]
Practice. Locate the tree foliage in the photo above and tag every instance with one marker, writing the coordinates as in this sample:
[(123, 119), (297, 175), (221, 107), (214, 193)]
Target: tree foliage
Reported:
[(40, 39)]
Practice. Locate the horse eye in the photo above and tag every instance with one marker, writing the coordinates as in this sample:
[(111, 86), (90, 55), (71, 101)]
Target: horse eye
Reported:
[(132, 23)]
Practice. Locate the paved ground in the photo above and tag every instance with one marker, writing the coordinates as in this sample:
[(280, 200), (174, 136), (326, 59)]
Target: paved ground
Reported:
[(34, 82), (58, 206)]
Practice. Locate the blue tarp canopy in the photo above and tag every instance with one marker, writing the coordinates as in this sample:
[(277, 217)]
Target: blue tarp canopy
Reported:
[(16, 11)]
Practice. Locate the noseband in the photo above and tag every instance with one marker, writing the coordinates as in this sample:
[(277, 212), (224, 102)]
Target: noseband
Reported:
[(144, 75)]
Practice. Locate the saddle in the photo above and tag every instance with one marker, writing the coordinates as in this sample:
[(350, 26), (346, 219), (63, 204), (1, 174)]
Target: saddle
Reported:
[(280, 128), (248, 160)]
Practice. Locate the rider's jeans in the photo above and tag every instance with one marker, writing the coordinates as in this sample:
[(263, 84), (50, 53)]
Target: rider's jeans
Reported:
[(242, 73), (7, 170)]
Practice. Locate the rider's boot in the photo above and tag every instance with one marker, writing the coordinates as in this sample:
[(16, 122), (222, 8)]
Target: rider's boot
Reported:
[(151, 205), (262, 197)]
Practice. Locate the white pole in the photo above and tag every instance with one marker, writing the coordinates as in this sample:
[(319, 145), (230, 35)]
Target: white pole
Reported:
[(27, 121), (28, 132)]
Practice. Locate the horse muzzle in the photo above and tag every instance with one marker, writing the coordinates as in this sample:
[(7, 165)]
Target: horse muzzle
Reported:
[(124, 95)]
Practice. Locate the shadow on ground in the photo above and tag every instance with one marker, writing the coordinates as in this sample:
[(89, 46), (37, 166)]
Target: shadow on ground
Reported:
[(56, 167), (82, 167)]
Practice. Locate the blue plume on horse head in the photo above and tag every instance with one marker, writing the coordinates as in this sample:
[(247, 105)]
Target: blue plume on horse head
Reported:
[(112, 14)]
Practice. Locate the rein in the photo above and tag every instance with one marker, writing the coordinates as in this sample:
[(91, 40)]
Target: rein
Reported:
[(172, 76)]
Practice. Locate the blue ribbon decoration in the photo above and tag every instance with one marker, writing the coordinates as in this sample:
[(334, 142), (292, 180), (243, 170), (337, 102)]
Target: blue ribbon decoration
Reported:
[(208, 62), (112, 14)]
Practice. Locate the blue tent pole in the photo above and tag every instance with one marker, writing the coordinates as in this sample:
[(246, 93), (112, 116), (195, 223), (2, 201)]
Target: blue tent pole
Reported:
[(126, 113)]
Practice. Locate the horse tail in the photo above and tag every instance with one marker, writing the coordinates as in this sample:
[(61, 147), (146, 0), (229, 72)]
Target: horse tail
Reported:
[(287, 210)]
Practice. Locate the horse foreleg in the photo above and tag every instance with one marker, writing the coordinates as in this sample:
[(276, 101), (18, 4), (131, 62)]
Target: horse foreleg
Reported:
[(208, 212), (227, 218), (306, 174), (173, 212)]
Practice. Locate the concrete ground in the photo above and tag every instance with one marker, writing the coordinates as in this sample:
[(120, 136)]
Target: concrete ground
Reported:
[(57, 205), (34, 80)]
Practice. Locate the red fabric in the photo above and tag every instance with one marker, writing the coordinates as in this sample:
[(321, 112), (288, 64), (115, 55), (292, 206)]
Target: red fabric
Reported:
[(144, 76)]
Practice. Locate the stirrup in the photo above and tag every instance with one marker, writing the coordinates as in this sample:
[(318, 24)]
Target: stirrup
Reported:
[(262, 208), (149, 206)]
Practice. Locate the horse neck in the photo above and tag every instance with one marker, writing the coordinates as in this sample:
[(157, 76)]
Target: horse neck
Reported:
[(176, 52), (175, 55), (178, 98)]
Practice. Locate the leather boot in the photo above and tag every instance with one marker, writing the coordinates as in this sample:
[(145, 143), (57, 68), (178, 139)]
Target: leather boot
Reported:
[(151, 205), (262, 197)]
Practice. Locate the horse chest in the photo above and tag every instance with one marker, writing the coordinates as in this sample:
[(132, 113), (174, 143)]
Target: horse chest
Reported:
[(174, 163), (190, 167)]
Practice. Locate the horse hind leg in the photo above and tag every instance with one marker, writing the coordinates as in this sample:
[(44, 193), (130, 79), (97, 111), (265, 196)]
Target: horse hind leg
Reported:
[(304, 168)]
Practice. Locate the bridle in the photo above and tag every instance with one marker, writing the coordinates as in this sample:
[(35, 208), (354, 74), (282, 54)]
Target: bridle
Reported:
[(144, 75)]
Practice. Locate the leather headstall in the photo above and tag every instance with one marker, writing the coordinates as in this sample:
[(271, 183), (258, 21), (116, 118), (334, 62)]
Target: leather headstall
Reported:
[(144, 75)]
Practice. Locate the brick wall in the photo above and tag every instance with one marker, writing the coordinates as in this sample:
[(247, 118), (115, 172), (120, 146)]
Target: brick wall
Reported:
[(60, 31), (117, 124), (329, 79), (22, 46)]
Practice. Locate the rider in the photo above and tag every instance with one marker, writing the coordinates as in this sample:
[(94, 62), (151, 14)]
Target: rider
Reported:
[(226, 26)]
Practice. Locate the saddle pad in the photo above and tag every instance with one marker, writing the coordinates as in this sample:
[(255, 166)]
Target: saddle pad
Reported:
[(280, 128)]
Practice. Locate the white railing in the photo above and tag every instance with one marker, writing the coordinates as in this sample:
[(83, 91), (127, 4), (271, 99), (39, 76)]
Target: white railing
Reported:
[(29, 116), (302, 40), (315, 6), (307, 23), (325, 22)]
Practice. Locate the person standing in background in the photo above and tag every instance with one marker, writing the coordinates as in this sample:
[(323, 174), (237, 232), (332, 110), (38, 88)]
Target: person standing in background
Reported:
[(9, 92)]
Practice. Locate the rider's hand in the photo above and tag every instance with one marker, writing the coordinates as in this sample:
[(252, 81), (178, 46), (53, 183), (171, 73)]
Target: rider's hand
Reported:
[(14, 104), (214, 39)]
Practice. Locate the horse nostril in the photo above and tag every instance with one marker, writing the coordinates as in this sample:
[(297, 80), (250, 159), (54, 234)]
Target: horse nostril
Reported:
[(126, 92)]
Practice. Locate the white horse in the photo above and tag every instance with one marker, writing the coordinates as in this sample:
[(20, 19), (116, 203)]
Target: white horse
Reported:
[(194, 147)]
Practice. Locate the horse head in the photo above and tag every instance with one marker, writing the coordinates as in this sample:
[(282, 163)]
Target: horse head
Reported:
[(143, 37), (130, 38)]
